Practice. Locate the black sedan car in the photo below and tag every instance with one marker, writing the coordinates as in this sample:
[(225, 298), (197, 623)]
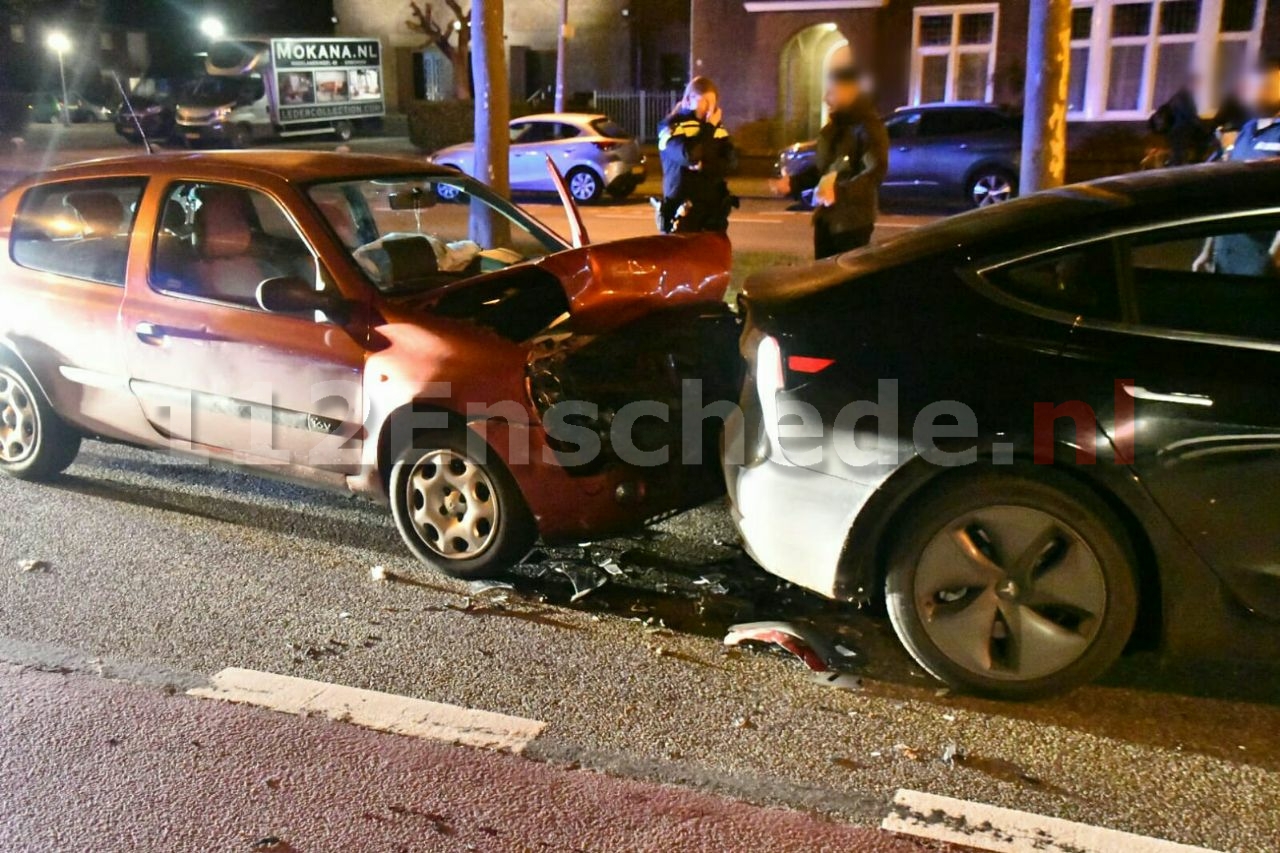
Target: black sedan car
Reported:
[(952, 153), (1038, 433)]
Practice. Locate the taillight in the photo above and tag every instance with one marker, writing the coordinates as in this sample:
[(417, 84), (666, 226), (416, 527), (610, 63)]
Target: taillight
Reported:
[(608, 145), (808, 363)]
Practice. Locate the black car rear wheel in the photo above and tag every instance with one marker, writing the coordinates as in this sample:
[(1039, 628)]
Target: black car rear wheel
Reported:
[(991, 185), (1012, 586)]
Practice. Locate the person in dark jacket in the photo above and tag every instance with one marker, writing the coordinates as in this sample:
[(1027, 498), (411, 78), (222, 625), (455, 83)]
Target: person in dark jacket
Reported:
[(852, 157), (697, 157), (1178, 121)]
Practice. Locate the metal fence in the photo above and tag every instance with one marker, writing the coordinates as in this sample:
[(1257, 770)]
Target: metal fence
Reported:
[(639, 112)]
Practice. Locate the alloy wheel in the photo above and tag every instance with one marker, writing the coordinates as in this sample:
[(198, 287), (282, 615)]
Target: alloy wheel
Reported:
[(991, 188), (1010, 593), (19, 420), (583, 186), (453, 505)]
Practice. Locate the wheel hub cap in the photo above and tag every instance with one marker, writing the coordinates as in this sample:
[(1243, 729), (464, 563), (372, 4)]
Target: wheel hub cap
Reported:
[(1010, 592), (453, 505), (19, 423)]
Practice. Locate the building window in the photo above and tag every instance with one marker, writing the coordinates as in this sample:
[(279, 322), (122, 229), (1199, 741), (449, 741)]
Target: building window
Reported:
[(17, 33), (105, 42), (954, 52), (1128, 58)]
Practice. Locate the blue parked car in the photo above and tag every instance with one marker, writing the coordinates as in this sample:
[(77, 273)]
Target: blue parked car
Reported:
[(965, 152), (592, 151)]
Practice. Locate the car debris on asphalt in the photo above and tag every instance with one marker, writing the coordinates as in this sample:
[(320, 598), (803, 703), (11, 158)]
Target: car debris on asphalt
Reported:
[(796, 639)]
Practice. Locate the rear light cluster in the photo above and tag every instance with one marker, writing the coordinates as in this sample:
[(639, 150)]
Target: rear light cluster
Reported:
[(608, 146), (808, 363)]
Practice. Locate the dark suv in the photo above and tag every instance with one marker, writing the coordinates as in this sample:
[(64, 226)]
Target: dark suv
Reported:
[(940, 152)]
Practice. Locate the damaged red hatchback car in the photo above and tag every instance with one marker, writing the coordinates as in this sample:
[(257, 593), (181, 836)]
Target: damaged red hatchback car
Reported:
[(330, 318)]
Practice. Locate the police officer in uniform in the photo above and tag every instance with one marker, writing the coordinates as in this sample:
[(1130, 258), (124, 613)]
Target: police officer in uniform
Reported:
[(1258, 253), (697, 156)]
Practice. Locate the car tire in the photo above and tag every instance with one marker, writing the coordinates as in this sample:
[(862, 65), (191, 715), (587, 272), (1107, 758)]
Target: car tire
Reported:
[(969, 613), (35, 443), (343, 130), (448, 193), (458, 515), (991, 185), (585, 185)]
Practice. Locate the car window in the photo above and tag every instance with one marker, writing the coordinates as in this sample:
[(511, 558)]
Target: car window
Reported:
[(533, 132), (567, 131), (1080, 281), (609, 129), (219, 242), (903, 125), (948, 122), (1220, 278), (79, 229), (414, 233)]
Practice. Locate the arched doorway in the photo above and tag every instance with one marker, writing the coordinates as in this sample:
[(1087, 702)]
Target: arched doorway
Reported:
[(803, 63)]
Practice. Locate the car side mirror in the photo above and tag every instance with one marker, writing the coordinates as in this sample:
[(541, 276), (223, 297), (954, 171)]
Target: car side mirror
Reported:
[(292, 295)]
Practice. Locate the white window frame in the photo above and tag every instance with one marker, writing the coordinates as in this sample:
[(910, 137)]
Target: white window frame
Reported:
[(955, 50), (1204, 56)]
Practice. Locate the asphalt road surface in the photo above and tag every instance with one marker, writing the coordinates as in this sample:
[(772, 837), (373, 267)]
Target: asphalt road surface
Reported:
[(156, 565), (152, 574)]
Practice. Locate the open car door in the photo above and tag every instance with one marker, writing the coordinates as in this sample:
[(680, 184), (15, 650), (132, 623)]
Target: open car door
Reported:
[(577, 230)]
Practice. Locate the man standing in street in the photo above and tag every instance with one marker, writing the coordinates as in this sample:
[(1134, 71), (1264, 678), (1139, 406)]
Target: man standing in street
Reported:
[(853, 156)]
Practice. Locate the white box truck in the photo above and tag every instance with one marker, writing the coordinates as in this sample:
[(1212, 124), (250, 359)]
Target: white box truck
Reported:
[(282, 87)]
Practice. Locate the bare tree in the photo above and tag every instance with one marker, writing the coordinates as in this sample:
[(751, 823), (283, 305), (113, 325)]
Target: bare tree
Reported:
[(453, 40), (493, 112)]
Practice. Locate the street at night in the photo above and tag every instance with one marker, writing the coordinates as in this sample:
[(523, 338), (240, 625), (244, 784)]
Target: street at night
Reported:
[(639, 425)]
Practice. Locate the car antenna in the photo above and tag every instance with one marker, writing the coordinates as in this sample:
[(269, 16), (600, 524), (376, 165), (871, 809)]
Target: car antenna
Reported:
[(137, 122)]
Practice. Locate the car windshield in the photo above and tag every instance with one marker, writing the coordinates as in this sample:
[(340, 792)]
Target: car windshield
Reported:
[(413, 233), (215, 91)]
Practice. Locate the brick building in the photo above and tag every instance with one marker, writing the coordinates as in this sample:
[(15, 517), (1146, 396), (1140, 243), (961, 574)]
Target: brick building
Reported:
[(616, 44), (1127, 56)]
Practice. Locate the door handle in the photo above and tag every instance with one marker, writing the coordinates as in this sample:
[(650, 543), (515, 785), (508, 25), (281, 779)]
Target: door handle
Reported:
[(1137, 392), (963, 145), (149, 332), (903, 148)]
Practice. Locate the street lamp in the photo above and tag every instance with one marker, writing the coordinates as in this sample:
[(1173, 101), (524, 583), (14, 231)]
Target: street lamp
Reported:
[(58, 42), (213, 28)]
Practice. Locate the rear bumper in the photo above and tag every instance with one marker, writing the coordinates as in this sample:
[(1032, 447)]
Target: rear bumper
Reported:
[(794, 521), (620, 175)]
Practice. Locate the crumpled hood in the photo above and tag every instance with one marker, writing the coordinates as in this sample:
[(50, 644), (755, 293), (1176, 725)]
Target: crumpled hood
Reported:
[(610, 284)]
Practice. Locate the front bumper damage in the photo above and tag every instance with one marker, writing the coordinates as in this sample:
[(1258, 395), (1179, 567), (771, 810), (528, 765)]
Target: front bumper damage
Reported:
[(632, 390)]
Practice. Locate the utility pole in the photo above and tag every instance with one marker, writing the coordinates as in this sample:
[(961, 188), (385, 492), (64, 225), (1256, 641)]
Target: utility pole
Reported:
[(493, 113), (1044, 124), (562, 49)]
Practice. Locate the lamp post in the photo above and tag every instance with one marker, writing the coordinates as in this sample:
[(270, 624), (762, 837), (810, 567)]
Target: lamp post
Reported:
[(562, 48), (60, 44), (213, 28)]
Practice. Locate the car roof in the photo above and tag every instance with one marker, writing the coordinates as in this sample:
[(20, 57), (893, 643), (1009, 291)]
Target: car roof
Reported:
[(575, 118), (953, 105), (294, 166), (1076, 211)]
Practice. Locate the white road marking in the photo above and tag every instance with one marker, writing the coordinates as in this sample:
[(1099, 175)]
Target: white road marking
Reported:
[(384, 712), (986, 827)]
